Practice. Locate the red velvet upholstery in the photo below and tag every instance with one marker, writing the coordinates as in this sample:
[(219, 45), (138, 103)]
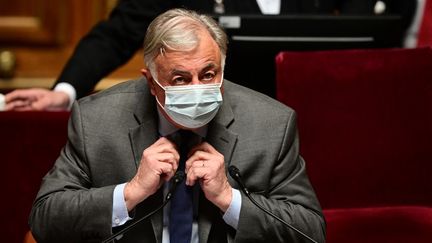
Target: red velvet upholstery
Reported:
[(365, 125), (30, 143), (381, 224), (425, 32)]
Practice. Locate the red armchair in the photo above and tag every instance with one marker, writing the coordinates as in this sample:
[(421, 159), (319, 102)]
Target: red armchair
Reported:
[(30, 143), (365, 125)]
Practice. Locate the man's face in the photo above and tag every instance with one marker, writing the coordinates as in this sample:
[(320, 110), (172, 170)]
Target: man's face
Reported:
[(201, 65)]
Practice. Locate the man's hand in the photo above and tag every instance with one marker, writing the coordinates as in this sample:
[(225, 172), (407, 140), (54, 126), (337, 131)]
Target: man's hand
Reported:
[(36, 99), (207, 166), (158, 164)]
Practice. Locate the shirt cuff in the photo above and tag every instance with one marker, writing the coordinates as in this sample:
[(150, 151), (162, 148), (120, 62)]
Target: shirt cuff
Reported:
[(232, 215), (69, 90), (120, 213)]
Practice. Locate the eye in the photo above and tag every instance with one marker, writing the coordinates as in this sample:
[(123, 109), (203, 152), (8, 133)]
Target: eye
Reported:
[(179, 80), (209, 76)]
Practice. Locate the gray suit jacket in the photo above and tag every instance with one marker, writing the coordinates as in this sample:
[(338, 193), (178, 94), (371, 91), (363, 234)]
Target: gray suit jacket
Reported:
[(107, 134)]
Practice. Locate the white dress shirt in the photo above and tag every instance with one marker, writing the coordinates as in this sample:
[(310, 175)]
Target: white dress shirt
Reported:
[(69, 90), (269, 6)]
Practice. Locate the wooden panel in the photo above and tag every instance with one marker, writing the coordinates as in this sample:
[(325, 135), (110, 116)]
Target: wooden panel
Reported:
[(32, 21), (18, 8), (43, 34)]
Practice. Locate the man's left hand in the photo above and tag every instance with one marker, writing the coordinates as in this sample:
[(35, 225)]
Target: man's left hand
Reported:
[(207, 166)]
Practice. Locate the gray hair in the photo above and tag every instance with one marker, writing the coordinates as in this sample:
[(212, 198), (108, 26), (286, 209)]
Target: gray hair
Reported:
[(177, 30)]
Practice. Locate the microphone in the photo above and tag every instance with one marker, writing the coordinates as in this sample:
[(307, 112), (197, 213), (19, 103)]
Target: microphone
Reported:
[(177, 178), (235, 174)]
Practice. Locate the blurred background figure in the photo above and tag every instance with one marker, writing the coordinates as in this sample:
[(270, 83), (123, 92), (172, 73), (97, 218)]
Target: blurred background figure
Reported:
[(112, 42)]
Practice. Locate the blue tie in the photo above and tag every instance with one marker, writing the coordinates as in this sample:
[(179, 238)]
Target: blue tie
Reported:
[(181, 211)]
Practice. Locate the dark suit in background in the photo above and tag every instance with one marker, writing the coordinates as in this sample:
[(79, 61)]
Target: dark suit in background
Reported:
[(111, 43)]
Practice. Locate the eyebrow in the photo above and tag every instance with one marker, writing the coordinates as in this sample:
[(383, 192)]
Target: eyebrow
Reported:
[(180, 72), (208, 67), (187, 73)]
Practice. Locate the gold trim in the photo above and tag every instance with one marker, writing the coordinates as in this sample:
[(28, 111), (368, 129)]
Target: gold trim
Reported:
[(20, 22)]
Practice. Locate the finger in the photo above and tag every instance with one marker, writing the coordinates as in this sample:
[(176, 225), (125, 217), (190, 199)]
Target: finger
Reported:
[(189, 163), (151, 156), (199, 166), (197, 156), (168, 158), (164, 142), (21, 94), (160, 141), (166, 171), (165, 157), (169, 149), (163, 145), (166, 146), (194, 174), (204, 146), (17, 104), (24, 108), (14, 95)]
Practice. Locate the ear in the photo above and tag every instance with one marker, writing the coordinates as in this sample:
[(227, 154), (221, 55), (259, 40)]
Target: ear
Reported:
[(150, 81)]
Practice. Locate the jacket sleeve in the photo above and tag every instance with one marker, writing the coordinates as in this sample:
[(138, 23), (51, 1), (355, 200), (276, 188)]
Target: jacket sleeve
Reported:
[(289, 195), (110, 43), (68, 208)]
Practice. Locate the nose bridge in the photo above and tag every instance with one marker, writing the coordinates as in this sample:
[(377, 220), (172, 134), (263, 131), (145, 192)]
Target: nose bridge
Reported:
[(195, 79)]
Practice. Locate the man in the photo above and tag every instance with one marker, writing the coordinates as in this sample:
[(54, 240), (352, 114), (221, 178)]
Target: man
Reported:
[(113, 42), (122, 151)]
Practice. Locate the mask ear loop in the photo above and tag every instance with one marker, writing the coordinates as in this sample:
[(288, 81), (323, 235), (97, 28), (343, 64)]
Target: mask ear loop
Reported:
[(222, 79), (162, 87), (160, 105)]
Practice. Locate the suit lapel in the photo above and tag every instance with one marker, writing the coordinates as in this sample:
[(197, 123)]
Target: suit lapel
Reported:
[(219, 136), (143, 135), (224, 141)]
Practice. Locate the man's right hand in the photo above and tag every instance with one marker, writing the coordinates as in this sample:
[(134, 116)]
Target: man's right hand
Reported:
[(36, 99), (158, 164)]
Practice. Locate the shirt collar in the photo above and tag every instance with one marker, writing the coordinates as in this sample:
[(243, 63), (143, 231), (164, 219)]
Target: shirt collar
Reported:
[(166, 128)]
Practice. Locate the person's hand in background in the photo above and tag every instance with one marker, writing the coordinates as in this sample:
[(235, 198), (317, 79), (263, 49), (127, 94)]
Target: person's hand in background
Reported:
[(36, 99)]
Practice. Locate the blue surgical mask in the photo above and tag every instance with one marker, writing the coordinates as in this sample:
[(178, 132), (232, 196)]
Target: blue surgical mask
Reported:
[(192, 106)]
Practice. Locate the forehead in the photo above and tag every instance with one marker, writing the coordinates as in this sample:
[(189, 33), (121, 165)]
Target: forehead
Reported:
[(205, 54)]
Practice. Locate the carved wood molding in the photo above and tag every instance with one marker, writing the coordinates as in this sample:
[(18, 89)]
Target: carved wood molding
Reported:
[(42, 34), (42, 26)]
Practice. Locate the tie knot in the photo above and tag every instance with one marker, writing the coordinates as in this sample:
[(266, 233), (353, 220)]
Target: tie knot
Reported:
[(188, 139), (181, 137), (185, 135)]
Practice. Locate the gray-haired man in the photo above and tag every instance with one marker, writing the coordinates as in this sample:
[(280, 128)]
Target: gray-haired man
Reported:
[(120, 153)]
